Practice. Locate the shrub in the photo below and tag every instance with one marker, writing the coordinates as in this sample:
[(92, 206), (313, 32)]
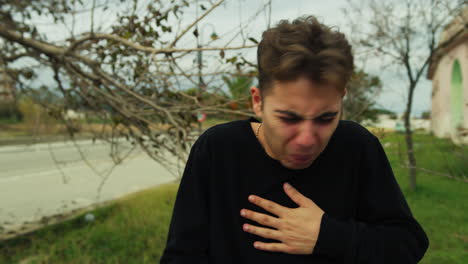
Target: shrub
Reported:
[(10, 111)]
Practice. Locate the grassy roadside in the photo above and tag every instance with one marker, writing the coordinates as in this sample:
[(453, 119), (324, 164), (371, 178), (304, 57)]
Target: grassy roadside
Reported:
[(27, 133), (24, 133), (134, 229)]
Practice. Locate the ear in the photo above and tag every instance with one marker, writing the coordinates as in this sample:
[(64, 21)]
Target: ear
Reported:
[(256, 100)]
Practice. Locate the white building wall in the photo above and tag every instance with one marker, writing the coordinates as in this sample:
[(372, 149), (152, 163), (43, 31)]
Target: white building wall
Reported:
[(440, 114), (441, 110)]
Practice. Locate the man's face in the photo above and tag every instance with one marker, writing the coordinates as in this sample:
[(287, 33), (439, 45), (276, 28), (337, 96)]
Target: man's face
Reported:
[(299, 117)]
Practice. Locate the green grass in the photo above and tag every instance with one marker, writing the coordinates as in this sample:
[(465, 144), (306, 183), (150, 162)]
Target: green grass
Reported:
[(440, 204), (212, 121), (9, 121), (134, 230)]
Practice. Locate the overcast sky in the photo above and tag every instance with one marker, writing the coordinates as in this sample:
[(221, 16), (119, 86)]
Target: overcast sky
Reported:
[(236, 12), (330, 12)]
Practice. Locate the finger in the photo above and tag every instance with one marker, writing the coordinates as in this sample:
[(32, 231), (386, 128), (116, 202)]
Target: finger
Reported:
[(262, 231), (264, 219), (269, 206), (273, 247), (296, 196)]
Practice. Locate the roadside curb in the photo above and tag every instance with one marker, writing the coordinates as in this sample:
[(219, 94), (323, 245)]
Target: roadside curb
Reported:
[(30, 227)]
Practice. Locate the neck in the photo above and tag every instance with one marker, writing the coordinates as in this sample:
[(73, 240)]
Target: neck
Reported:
[(259, 133)]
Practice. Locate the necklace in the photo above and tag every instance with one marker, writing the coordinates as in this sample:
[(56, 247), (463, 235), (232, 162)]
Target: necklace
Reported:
[(258, 129)]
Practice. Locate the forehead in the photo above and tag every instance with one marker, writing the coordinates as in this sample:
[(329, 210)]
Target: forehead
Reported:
[(303, 96)]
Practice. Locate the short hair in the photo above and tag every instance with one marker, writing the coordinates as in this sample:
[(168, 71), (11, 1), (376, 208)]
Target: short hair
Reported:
[(306, 48)]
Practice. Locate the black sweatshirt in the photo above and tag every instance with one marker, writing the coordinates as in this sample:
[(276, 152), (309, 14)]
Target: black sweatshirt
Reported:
[(366, 220)]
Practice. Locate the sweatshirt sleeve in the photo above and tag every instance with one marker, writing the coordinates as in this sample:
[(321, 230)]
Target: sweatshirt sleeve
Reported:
[(384, 230), (188, 231)]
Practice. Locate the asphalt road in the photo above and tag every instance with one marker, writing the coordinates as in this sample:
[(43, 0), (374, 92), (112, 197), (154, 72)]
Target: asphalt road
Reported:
[(47, 179)]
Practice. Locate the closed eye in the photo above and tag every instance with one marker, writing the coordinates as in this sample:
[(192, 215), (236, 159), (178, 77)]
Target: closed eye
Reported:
[(290, 120), (324, 120)]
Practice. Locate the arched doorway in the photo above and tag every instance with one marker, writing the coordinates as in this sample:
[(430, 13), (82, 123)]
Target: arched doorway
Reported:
[(456, 96)]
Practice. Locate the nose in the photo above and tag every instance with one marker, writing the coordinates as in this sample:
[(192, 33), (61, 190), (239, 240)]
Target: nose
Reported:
[(307, 135)]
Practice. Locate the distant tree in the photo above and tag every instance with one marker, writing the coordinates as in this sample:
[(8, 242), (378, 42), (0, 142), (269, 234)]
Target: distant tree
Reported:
[(10, 112), (404, 35), (426, 115), (359, 101), (239, 89), (391, 114), (238, 85)]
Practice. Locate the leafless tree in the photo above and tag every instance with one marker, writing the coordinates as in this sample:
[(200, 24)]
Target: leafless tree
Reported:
[(405, 35), (134, 75)]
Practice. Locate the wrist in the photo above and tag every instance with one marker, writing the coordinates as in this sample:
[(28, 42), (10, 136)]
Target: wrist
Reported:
[(333, 238)]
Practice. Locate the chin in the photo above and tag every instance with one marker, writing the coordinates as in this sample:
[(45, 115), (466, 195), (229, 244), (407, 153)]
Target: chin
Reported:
[(294, 166)]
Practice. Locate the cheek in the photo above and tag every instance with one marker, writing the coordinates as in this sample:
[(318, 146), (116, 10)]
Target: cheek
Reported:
[(281, 134), (287, 133)]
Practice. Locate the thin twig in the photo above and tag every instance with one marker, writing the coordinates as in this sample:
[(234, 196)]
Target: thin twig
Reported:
[(195, 22), (439, 174)]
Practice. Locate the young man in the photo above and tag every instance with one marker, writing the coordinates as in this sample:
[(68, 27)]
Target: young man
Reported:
[(301, 186)]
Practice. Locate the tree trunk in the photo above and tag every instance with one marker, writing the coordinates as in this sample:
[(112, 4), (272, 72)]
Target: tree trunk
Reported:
[(409, 140), (410, 153)]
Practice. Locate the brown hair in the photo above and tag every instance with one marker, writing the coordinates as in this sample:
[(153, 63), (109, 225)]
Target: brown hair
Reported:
[(307, 48)]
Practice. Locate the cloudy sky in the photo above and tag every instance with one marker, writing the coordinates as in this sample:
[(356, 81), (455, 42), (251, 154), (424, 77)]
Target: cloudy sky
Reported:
[(330, 12), (234, 13)]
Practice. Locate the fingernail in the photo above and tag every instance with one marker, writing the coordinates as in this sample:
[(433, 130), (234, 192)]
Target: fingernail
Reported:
[(245, 227), (287, 185), (242, 212), (251, 198)]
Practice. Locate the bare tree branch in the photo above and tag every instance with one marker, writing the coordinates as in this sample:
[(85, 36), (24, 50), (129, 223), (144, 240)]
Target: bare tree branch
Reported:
[(173, 43)]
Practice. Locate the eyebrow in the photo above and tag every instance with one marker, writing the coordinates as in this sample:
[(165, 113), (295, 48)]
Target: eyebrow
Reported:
[(292, 114)]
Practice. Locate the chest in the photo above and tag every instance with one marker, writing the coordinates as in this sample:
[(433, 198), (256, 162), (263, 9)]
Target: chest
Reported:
[(333, 188)]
